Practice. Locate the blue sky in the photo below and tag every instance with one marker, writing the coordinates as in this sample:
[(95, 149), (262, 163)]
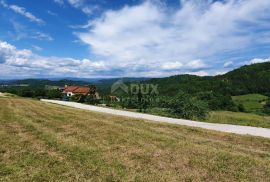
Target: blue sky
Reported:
[(137, 38)]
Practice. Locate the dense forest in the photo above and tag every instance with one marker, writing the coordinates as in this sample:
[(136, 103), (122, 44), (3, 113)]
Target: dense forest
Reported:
[(244, 80)]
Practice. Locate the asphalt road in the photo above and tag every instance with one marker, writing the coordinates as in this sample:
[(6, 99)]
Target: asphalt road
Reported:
[(244, 130)]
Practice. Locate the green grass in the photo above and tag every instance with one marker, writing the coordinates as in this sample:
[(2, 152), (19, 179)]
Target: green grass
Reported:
[(46, 142), (238, 118), (251, 102), (226, 117)]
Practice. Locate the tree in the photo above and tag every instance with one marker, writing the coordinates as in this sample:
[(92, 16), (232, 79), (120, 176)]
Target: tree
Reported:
[(143, 104), (217, 101), (54, 94), (266, 108), (93, 89), (241, 108), (27, 92), (90, 99), (185, 106)]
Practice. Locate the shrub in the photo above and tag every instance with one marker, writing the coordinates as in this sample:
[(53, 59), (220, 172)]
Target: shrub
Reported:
[(266, 108), (241, 108), (53, 94), (185, 106)]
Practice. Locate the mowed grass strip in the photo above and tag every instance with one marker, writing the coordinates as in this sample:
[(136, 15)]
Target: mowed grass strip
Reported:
[(46, 142)]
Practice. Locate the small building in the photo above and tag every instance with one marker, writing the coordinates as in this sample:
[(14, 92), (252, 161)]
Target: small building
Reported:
[(114, 98), (80, 90)]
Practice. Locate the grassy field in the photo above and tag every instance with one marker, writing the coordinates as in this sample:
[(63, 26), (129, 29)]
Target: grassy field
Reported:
[(46, 142), (226, 117), (251, 102), (239, 118)]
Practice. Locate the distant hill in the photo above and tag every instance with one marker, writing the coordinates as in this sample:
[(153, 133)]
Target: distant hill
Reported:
[(40, 83), (247, 79), (103, 85), (253, 78)]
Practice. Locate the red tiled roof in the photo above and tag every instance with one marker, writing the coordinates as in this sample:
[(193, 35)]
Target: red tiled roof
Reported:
[(82, 90), (77, 90), (70, 88)]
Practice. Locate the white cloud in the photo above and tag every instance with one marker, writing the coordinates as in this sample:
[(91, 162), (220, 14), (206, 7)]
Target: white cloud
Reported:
[(24, 62), (88, 10), (37, 48), (29, 63), (171, 65), (151, 34), (42, 36), (196, 64), (150, 39), (61, 2), (22, 11), (51, 13), (198, 73), (220, 72), (76, 3), (79, 4), (22, 32), (258, 60), (228, 64)]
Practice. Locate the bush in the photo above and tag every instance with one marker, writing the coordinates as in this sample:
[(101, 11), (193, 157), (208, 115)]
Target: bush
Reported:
[(54, 94), (26, 93), (241, 108), (266, 108), (74, 98), (185, 106), (90, 99), (217, 101)]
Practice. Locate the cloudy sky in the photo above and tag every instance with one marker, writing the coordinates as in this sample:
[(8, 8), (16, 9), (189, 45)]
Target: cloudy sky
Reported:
[(137, 38)]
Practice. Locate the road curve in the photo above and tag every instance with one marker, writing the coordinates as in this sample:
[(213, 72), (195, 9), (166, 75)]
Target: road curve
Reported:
[(244, 130)]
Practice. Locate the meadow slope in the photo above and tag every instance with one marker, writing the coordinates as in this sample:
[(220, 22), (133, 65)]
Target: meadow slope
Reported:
[(46, 142)]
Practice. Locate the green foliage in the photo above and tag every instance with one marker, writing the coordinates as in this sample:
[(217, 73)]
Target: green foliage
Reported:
[(143, 105), (75, 98), (78, 98), (184, 106), (238, 118), (266, 109), (217, 101), (54, 94), (247, 79), (129, 103), (90, 99), (251, 102), (26, 93), (241, 108)]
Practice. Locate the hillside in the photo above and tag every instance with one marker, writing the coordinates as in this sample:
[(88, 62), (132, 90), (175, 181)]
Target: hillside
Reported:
[(253, 78), (46, 142), (40, 83)]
